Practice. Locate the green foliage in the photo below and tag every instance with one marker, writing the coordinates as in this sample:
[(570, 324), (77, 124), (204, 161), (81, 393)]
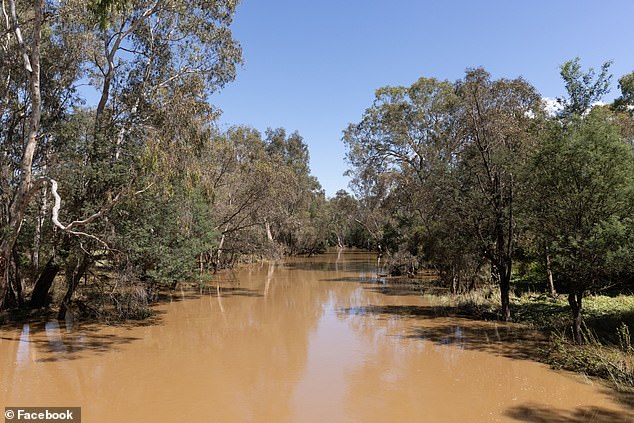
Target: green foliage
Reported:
[(135, 172), (584, 88), (474, 178), (625, 338), (163, 234), (103, 9), (626, 101), (592, 359), (583, 200), (436, 168)]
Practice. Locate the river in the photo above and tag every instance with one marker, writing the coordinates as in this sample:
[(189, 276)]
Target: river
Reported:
[(319, 339)]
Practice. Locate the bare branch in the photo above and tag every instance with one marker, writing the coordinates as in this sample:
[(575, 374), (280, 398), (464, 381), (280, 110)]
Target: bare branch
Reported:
[(18, 36), (181, 73), (69, 228)]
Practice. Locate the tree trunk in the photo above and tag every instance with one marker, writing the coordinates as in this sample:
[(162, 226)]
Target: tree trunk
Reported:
[(505, 289), (575, 301), (549, 276), (35, 253), (73, 277), (37, 237), (40, 296), (503, 276), (4, 283), (17, 278), (269, 235), (219, 252), (454, 281), (10, 297), (24, 187)]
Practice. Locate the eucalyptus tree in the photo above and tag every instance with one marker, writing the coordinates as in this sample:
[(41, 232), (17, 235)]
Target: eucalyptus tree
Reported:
[(401, 153), (498, 131), (153, 65), (242, 179), (453, 148), (20, 191), (290, 215), (407, 129), (343, 209), (402, 143)]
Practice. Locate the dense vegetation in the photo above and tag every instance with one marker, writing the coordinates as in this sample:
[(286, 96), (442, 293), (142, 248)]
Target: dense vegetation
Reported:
[(478, 180), (114, 178), (115, 181)]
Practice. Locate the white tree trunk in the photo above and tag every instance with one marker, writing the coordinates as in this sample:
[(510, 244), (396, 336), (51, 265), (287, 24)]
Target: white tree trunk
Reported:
[(269, 235), (24, 189)]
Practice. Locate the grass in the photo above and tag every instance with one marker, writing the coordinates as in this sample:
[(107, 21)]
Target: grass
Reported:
[(614, 363), (607, 352)]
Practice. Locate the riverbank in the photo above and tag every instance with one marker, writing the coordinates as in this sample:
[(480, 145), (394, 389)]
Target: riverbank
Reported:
[(607, 352)]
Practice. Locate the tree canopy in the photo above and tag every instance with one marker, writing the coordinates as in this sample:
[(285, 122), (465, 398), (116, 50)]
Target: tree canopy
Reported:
[(475, 177)]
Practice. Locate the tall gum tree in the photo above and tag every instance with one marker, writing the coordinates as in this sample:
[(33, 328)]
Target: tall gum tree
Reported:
[(497, 123), (453, 148), (405, 140), (25, 186)]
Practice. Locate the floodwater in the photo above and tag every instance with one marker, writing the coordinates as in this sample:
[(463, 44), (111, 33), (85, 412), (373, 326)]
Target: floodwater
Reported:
[(321, 339)]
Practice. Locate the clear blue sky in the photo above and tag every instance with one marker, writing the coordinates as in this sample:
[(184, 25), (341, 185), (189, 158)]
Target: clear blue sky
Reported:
[(313, 66)]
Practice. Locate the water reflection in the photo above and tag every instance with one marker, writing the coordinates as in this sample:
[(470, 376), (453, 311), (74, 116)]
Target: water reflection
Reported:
[(24, 345), (55, 342), (303, 340)]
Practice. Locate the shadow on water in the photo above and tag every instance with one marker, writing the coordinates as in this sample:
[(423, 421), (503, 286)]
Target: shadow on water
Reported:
[(403, 287), (493, 338), (508, 340), (50, 341), (323, 265), (208, 290), (40, 337), (540, 414), (393, 286), (624, 397)]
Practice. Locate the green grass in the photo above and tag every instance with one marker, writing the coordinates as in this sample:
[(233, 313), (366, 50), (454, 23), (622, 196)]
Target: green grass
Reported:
[(607, 352)]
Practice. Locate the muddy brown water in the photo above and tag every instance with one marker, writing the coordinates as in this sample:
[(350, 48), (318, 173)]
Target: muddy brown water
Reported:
[(321, 339)]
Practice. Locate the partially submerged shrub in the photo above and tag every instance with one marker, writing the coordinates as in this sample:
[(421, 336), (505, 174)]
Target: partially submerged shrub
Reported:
[(402, 263), (132, 303)]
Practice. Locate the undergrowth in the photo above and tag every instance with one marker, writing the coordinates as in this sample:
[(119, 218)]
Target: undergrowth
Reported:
[(607, 350)]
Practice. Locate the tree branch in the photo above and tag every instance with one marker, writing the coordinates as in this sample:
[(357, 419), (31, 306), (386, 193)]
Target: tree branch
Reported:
[(69, 228), (18, 36)]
